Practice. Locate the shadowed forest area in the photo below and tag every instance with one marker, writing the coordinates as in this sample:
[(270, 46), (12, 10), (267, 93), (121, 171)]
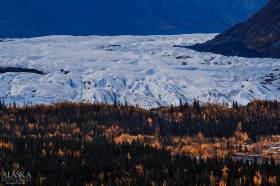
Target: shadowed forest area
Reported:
[(97, 144)]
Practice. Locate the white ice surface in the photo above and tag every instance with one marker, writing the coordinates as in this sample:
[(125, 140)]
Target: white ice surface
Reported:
[(144, 71)]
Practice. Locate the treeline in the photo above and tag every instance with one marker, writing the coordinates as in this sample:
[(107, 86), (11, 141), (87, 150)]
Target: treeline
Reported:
[(256, 119)]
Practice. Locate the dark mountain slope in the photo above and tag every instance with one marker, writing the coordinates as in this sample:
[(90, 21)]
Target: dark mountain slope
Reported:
[(258, 37), (29, 18)]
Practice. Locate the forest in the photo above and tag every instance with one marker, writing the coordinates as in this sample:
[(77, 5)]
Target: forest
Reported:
[(97, 144)]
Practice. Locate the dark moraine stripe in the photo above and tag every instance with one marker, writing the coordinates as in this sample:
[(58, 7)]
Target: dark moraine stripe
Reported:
[(18, 69)]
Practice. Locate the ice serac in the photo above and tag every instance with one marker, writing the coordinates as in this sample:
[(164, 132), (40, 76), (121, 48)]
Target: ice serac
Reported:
[(32, 18), (257, 37)]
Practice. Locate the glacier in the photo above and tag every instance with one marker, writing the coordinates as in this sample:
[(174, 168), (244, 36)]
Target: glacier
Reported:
[(147, 71)]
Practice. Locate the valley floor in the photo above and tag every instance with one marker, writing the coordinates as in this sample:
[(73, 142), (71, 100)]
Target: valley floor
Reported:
[(100, 144)]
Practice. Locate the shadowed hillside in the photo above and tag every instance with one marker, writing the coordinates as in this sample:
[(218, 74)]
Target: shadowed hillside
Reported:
[(258, 37), (109, 17)]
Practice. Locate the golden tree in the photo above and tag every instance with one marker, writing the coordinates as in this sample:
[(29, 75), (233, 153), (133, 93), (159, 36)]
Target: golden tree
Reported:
[(257, 179)]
